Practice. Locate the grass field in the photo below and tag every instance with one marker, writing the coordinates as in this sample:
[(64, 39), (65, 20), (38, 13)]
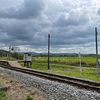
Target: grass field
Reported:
[(43, 66), (86, 61)]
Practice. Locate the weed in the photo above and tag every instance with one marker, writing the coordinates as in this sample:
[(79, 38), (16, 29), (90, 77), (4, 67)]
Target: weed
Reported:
[(29, 98), (11, 81), (2, 95)]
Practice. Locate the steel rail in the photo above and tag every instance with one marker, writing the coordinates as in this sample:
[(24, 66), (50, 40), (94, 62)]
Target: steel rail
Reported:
[(81, 83)]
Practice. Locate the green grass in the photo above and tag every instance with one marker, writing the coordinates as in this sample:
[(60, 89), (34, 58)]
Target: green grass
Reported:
[(54, 67), (86, 61), (86, 74), (29, 98), (2, 93)]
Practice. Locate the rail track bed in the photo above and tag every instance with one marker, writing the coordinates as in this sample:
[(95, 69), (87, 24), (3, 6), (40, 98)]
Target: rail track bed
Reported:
[(85, 84)]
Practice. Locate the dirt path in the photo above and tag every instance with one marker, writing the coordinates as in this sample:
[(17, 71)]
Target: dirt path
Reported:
[(14, 63)]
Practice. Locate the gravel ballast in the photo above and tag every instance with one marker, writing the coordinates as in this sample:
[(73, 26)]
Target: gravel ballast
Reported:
[(53, 90)]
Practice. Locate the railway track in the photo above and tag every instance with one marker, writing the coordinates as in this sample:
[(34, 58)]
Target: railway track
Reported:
[(89, 85)]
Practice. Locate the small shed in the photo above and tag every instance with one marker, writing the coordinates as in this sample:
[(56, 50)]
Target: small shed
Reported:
[(27, 57), (27, 60)]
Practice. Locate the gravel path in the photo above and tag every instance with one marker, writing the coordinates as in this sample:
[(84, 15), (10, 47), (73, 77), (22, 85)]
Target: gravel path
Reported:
[(53, 90)]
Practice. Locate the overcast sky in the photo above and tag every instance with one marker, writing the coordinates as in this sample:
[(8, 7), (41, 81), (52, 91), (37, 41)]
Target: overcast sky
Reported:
[(71, 24)]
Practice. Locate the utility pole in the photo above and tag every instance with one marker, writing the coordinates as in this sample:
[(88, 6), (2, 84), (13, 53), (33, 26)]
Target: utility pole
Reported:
[(96, 40), (48, 51), (80, 64)]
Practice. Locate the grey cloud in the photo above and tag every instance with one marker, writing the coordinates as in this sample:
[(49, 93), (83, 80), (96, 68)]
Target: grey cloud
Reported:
[(5, 4), (72, 19), (24, 31), (27, 9), (72, 35), (29, 24), (98, 11)]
